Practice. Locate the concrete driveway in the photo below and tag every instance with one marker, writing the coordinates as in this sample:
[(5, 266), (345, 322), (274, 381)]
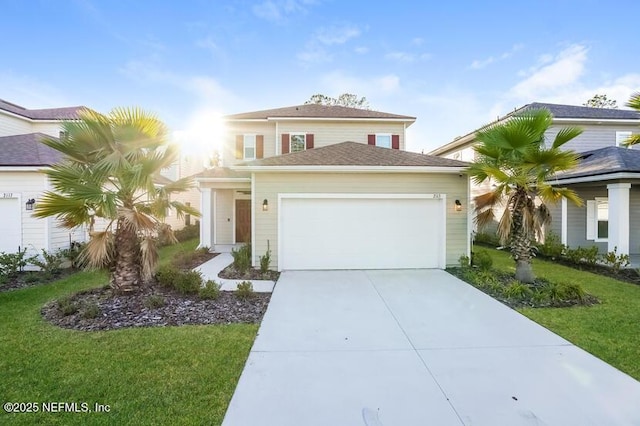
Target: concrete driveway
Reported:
[(416, 347)]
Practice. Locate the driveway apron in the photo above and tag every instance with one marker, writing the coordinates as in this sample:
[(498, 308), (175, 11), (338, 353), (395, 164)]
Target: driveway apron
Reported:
[(416, 347)]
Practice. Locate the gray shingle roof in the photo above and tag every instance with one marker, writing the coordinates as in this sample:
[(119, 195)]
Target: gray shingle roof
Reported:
[(612, 159), (67, 113), (317, 111), (573, 111), (27, 150), (356, 154)]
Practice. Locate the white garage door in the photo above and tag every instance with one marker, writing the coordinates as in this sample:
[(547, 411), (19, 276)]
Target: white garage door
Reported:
[(361, 233), (10, 225)]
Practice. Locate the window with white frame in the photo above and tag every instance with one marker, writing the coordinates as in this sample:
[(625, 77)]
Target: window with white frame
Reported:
[(598, 219), (621, 137), (383, 140), (249, 150), (297, 142)]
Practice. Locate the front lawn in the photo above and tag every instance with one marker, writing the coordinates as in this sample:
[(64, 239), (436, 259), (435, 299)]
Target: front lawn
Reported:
[(609, 330), (147, 376)]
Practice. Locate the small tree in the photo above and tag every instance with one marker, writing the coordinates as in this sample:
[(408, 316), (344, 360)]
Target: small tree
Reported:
[(108, 170), (514, 157), (601, 101), (345, 99)]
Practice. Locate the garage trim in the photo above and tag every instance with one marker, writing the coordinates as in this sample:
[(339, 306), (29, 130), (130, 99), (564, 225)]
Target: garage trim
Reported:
[(314, 195)]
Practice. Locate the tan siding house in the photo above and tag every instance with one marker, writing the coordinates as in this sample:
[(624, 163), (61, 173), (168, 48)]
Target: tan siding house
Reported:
[(333, 188)]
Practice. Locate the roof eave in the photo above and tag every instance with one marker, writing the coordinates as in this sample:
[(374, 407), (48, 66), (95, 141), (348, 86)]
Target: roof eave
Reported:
[(222, 180), (595, 178), (353, 169)]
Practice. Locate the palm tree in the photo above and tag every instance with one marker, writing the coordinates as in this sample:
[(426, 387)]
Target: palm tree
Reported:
[(634, 102), (108, 170), (513, 156)]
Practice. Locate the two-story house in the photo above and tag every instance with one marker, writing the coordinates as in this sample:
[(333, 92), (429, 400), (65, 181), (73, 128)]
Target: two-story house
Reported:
[(330, 187), (22, 160), (607, 177)]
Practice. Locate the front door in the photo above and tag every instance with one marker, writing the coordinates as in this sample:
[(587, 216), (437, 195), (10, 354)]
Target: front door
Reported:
[(243, 221)]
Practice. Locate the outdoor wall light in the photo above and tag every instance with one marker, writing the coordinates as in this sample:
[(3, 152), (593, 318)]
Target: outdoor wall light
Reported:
[(458, 206), (265, 205), (29, 204)]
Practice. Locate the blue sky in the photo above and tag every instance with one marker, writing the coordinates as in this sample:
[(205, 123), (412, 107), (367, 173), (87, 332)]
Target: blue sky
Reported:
[(453, 65)]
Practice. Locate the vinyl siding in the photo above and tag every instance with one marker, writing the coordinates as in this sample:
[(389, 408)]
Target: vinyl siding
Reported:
[(10, 125), (52, 129), (577, 220), (593, 136), (325, 133), (269, 185)]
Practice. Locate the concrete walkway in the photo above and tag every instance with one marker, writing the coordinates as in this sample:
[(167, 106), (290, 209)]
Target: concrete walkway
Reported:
[(416, 347), (212, 268)]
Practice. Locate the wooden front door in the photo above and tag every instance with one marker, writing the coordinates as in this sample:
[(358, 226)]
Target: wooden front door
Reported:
[(243, 221)]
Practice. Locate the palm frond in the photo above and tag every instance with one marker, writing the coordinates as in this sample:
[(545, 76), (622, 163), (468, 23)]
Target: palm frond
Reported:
[(99, 251), (565, 135), (485, 218), (634, 101), (149, 257), (634, 139), (137, 220), (505, 225)]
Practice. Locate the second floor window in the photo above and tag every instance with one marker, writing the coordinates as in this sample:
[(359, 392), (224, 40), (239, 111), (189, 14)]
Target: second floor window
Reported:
[(249, 147), (298, 142), (383, 140)]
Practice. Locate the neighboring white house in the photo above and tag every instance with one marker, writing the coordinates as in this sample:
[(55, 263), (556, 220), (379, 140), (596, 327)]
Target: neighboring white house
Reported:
[(607, 178), (22, 181)]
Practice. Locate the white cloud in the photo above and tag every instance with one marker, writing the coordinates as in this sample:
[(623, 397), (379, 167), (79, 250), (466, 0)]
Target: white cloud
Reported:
[(317, 48), (361, 50), (482, 63), (279, 10), (407, 57), (417, 41), (339, 82), (564, 70), (32, 93)]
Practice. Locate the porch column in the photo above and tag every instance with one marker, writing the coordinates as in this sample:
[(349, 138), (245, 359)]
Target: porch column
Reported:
[(619, 217), (206, 239), (564, 237)]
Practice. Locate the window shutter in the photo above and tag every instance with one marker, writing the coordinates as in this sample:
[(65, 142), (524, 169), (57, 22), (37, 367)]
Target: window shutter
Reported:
[(239, 146), (395, 141), (371, 139), (309, 140), (591, 219), (285, 143), (259, 146)]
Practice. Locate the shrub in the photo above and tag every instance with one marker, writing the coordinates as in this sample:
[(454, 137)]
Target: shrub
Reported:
[(50, 263), (210, 290), (242, 258), (188, 282), (487, 238), (482, 259), (582, 255), (66, 306), (12, 263), (464, 261), (616, 261), (154, 301), (552, 246), (518, 291), (188, 232), (167, 275), (90, 311), (245, 290), (265, 260), (573, 291), (31, 278), (3, 279)]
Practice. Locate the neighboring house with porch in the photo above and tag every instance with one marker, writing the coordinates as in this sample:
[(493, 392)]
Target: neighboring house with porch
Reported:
[(607, 177), (330, 187)]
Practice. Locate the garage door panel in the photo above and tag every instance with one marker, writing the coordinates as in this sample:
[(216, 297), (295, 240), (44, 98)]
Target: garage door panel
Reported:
[(360, 233)]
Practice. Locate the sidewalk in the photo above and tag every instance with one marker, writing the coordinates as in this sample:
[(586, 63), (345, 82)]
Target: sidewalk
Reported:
[(212, 268)]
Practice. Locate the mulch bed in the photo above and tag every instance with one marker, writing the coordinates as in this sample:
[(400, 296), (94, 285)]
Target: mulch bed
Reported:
[(231, 273), (34, 278), (131, 310), (628, 275)]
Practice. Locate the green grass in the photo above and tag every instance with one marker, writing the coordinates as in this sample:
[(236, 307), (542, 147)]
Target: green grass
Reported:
[(610, 330), (148, 376)]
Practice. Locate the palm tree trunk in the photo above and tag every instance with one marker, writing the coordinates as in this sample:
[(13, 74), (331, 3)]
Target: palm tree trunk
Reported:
[(521, 243), (126, 275)]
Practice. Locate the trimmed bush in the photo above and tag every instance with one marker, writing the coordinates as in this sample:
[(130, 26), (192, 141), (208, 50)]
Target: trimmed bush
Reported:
[(482, 259), (188, 282), (245, 290), (210, 290), (90, 311), (154, 301), (167, 275), (552, 246), (242, 258), (67, 307)]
